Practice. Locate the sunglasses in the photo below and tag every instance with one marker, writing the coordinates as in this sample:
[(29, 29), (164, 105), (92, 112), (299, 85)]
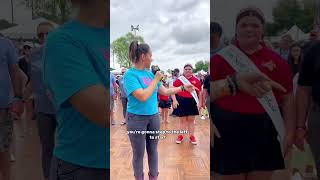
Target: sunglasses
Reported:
[(41, 35)]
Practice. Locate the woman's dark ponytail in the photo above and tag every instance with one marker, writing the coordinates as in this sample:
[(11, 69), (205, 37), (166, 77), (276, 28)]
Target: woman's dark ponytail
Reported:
[(136, 50)]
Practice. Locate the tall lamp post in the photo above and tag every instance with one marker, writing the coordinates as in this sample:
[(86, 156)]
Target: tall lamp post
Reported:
[(135, 29), (12, 18), (318, 15)]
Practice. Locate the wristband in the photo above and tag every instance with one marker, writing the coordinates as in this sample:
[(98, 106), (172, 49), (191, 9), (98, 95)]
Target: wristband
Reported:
[(17, 98), (183, 88), (301, 128), (231, 86), (225, 90), (234, 80)]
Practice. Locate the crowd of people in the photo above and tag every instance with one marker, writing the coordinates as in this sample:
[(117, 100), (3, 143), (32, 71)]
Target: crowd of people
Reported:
[(255, 128)]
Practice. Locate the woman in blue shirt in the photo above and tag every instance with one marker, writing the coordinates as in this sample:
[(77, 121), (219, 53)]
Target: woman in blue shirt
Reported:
[(141, 87)]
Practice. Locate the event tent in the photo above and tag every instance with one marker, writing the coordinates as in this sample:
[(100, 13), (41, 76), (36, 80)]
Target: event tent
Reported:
[(27, 30)]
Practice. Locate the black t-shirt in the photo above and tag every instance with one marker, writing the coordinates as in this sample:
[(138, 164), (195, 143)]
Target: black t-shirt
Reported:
[(294, 69), (206, 84), (310, 70)]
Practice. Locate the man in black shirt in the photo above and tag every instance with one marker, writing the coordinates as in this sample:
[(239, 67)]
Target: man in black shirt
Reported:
[(308, 102)]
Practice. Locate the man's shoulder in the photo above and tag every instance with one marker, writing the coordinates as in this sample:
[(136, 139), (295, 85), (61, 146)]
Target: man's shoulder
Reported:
[(64, 33), (4, 42), (36, 51)]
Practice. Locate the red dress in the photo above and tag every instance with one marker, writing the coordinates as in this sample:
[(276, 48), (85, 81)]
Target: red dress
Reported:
[(268, 62), (187, 105), (248, 138)]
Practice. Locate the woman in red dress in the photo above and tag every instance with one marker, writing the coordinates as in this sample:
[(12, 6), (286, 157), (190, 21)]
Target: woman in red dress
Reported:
[(185, 105), (248, 147)]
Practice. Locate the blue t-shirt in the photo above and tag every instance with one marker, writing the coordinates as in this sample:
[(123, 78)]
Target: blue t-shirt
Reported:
[(112, 81), (121, 86), (76, 57), (135, 79), (283, 53), (8, 57), (42, 102)]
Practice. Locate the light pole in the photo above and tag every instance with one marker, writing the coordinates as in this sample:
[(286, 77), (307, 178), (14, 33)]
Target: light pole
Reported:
[(135, 29), (317, 14), (32, 10), (12, 19), (113, 60)]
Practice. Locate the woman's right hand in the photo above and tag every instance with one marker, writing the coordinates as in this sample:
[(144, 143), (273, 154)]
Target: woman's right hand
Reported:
[(159, 76), (175, 104), (190, 88), (256, 84)]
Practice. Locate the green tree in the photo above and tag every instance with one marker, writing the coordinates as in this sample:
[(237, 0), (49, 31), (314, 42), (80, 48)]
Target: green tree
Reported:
[(201, 65), (58, 11), (291, 12), (120, 48), (4, 24)]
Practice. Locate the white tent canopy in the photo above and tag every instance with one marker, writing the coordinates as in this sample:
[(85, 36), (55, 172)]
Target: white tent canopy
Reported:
[(27, 30), (295, 32), (202, 72), (116, 71)]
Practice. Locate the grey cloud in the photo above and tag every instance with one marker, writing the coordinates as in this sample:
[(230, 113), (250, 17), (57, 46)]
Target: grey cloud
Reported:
[(203, 47), (171, 32), (191, 33), (183, 5)]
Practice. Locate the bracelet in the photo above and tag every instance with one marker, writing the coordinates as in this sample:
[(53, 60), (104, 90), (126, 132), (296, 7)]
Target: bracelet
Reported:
[(225, 90), (231, 86), (18, 97), (301, 128), (235, 82), (183, 88)]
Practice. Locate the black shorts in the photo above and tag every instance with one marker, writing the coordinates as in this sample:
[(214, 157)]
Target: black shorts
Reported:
[(186, 107), (164, 104), (248, 143)]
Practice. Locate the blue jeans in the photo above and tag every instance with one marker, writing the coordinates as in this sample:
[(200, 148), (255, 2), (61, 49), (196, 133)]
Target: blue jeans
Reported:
[(140, 141), (46, 130)]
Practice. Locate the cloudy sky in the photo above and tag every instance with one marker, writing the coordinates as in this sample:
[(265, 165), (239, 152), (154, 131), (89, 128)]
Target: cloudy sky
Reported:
[(225, 11), (176, 30), (21, 13)]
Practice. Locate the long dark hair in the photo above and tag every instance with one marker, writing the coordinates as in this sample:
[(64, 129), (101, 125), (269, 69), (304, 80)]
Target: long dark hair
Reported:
[(136, 50), (295, 68)]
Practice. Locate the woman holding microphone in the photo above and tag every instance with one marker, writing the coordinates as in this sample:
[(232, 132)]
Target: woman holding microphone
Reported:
[(141, 87)]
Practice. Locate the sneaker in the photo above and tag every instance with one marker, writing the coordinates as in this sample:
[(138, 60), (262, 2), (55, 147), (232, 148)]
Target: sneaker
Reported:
[(193, 140), (179, 139)]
